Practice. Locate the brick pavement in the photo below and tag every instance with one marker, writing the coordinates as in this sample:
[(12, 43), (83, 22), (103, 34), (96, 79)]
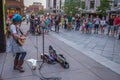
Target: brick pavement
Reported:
[(106, 46), (81, 66)]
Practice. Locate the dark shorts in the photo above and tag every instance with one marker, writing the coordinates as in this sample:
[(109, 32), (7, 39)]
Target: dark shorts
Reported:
[(87, 26), (116, 28), (96, 26)]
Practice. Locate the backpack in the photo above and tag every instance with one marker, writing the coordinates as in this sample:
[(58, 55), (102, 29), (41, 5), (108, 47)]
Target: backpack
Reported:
[(42, 24)]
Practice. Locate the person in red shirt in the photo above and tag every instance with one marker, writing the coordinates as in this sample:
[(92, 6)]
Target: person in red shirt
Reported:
[(116, 25)]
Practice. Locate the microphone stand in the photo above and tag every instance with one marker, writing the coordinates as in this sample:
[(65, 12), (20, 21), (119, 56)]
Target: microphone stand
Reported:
[(40, 66)]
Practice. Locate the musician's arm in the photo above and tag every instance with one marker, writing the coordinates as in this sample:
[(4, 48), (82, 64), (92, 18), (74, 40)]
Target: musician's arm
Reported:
[(16, 36), (14, 33)]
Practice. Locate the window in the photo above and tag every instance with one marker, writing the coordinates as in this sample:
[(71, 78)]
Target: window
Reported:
[(48, 3), (92, 4), (54, 3)]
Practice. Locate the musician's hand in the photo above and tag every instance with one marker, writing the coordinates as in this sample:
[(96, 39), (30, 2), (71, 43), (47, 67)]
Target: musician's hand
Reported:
[(22, 37)]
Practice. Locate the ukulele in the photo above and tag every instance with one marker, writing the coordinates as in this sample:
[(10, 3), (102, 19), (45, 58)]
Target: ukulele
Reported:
[(22, 41)]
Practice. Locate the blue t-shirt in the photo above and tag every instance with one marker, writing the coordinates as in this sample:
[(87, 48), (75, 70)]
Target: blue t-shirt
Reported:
[(90, 24)]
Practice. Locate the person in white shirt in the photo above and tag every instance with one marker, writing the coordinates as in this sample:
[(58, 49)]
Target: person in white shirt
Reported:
[(102, 25), (27, 18), (15, 47), (97, 23)]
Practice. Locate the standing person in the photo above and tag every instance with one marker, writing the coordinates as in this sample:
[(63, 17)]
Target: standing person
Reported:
[(46, 25), (83, 27), (73, 22), (86, 26), (37, 25), (42, 25), (102, 25), (57, 21), (83, 20), (14, 46), (110, 27), (90, 26), (69, 22), (50, 23), (96, 26), (91, 18), (27, 18), (116, 25), (77, 24), (66, 22), (32, 24), (62, 21)]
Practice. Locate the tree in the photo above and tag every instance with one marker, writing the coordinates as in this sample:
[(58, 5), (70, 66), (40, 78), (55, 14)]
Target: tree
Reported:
[(72, 6), (104, 6), (83, 4), (40, 12)]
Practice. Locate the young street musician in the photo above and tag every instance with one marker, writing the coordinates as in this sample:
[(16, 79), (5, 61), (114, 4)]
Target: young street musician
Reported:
[(15, 46)]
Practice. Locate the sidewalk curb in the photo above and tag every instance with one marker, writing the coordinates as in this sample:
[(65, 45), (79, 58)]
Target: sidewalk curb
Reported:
[(104, 61)]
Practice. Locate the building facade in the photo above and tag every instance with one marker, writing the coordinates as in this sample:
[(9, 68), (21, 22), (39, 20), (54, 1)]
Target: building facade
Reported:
[(91, 5), (55, 6), (35, 7), (115, 7), (117, 3), (15, 6)]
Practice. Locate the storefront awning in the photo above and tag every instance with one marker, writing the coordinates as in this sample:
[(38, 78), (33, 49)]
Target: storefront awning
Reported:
[(13, 7)]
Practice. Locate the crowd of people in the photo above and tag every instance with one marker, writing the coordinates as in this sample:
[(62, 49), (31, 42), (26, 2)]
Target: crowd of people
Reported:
[(86, 24)]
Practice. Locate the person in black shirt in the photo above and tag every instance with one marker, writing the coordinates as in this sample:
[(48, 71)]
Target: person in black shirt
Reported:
[(77, 24), (32, 24), (110, 28)]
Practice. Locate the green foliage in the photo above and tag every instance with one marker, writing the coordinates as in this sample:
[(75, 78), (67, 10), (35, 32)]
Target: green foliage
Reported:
[(71, 6), (40, 12), (83, 5), (105, 5)]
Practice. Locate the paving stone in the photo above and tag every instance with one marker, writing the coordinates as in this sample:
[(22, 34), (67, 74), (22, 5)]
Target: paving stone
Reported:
[(105, 74), (100, 47), (8, 71), (77, 76), (2, 61), (81, 66), (116, 50), (107, 54), (116, 58), (109, 49), (97, 51), (91, 45), (30, 77)]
